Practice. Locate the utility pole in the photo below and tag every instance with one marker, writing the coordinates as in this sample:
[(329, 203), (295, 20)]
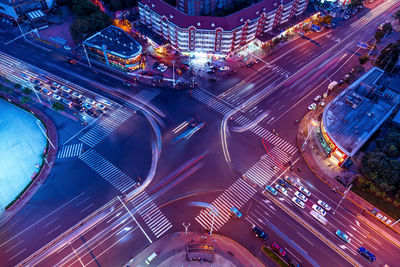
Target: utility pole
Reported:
[(33, 88), (87, 57), (173, 73), (214, 212), (38, 124), (309, 132), (344, 196), (16, 20), (395, 223), (186, 227)]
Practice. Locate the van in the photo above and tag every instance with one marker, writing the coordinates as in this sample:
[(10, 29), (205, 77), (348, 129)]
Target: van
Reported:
[(151, 258)]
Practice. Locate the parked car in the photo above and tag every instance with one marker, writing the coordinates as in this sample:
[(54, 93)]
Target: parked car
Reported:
[(56, 97), (67, 102), (224, 68), (76, 94), (317, 98), (312, 106), (275, 247), (259, 233)]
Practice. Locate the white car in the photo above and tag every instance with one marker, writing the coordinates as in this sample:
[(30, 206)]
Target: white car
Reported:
[(90, 101), (319, 209), (317, 98), (67, 102), (298, 202), (224, 68), (65, 89), (346, 17), (318, 217), (56, 97), (76, 94), (281, 189), (67, 47), (324, 205), (305, 191), (163, 69), (301, 196), (322, 103), (55, 84), (312, 106), (100, 106)]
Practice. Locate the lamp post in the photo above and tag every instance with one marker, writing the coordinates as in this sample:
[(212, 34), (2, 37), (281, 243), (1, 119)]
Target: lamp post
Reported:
[(40, 127), (395, 223), (87, 57), (214, 212), (344, 196), (19, 26), (173, 73), (33, 88)]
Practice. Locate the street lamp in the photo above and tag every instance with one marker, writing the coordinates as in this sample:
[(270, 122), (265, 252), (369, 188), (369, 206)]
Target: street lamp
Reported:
[(19, 26), (40, 127), (173, 73), (344, 196), (87, 57), (214, 212)]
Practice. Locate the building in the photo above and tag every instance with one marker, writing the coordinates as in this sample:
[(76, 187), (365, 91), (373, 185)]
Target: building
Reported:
[(354, 116), (115, 48), (32, 10), (202, 7), (221, 35)]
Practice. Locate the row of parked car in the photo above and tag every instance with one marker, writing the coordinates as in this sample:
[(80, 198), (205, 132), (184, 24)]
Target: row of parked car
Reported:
[(71, 98)]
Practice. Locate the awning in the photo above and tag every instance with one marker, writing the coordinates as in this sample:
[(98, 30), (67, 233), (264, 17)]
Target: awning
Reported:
[(35, 14)]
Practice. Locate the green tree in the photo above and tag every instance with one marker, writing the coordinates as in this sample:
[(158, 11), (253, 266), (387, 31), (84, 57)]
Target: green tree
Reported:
[(379, 35), (17, 86), (25, 99), (387, 28), (83, 7), (27, 91), (356, 3), (57, 106), (363, 59)]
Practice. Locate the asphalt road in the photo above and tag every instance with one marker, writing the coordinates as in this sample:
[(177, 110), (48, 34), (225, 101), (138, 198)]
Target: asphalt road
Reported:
[(195, 169)]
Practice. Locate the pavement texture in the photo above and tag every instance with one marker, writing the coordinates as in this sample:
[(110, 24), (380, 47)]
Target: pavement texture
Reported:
[(171, 251), (40, 178), (323, 169)]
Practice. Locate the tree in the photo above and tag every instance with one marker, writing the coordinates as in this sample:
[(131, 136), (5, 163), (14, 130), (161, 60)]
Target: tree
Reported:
[(397, 15), (363, 59), (27, 91), (387, 28), (17, 86), (356, 3), (379, 35), (25, 99), (57, 106), (83, 7)]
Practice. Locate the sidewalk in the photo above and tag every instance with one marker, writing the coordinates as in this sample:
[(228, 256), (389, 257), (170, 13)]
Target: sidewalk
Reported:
[(171, 251), (51, 131), (319, 164)]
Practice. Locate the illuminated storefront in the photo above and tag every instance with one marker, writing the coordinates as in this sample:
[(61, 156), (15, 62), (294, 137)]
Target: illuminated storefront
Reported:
[(115, 48), (336, 155)]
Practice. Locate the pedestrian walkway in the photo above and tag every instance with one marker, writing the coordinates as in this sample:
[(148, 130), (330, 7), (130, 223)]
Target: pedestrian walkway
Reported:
[(262, 171), (69, 151), (210, 101), (147, 95), (235, 196), (151, 214), (106, 125), (117, 178), (274, 139)]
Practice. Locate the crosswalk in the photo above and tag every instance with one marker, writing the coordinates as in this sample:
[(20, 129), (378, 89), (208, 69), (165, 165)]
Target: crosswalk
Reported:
[(106, 125), (273, 139), (117, 178), (151, 214), (242, 120), (147, 95), (235, 196), (210, 101), (267, 167), (69, 151)]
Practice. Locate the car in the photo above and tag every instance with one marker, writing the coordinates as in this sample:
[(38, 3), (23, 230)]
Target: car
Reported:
[(65, 89), (67, 102), (259, 233), (319, 209), (65, 95), (324, 205), (284, 184), (55, 84), (366, 254), (71, 61), (87, 105), (236, 212), (224, 68), (343, 236), (37, 82), (232, 72), (305, 191), (99, 111), (257, 61), (346, 17), (318, 217), (275, 247), (105, 102), (67, 47), (46, 92), (212, 79), (126, 83), (301, 33), (317, 98), (53, 89), (90, 113), (163, 68), (281, 189), (77, 95), (301, 196), (56, 97), (322, 103), (212, 67), (210, 71), (271, 190), (37, 88), (312, 106), (298, 202), (90, 101), (290, 180), (78, 101), (100, 106)]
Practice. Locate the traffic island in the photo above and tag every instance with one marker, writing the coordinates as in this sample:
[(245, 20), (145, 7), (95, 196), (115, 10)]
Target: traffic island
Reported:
[(181, 249)]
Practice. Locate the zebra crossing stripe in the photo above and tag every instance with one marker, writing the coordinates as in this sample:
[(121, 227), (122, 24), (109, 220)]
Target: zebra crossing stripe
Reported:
[(69, 151), (210, 101), (147, 95), (151, 214), (105, 127), (108, 171), (235, 196)]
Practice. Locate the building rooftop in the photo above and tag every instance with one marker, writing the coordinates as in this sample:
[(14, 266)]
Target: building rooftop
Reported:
[(115, 41), (227, 23), (17, 2), (353, 116)]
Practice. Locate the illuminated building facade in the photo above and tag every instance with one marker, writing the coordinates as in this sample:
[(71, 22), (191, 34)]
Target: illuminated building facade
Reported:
[(355, 115), (217, 34), (115, 48)]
